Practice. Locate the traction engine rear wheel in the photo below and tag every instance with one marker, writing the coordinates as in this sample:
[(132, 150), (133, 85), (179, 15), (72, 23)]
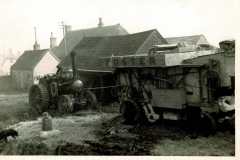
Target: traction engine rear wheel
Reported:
[(131, 111), (65, 104), (39, 98)]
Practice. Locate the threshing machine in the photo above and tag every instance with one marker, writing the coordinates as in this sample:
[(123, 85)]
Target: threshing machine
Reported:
[(62, 90), (167, 84)]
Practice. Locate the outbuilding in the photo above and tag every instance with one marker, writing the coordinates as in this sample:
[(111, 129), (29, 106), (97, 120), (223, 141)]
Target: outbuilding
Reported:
[(31, 65)]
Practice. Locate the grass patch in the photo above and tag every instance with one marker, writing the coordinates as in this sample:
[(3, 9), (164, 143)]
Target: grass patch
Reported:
[(72, 129), (212, 146)]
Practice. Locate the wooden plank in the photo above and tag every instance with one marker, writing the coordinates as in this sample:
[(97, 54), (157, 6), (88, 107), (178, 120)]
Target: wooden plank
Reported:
[(169, 98), (133, 61), (161, 60)]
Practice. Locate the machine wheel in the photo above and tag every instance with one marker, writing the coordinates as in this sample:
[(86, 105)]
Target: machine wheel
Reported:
[(212, 80), (131, 111), (114, 91), (206, 124), (65, 104), (39, 98), (91, 100)]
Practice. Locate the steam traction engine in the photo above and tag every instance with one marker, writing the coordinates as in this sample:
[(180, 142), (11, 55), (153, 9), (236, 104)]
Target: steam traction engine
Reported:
[(62, 90), (166, 85)]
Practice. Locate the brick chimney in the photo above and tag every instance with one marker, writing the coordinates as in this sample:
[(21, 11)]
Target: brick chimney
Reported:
[(36, 46), (67, 29), (100, 24), (53, 41)]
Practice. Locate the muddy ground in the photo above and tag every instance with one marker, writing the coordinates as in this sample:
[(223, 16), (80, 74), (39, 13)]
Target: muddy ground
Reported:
[(87, 132)]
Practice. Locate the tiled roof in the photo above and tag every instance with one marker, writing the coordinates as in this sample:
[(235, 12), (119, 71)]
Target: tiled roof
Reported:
[(90, 48), (74, 37), (190, 40), (53, 50), (29, 59)]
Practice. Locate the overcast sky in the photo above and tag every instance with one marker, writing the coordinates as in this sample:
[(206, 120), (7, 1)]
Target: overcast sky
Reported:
[(217, 20)]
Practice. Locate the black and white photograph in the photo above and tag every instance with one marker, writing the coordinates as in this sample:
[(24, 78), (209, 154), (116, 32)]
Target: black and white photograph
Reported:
[(122, 78)]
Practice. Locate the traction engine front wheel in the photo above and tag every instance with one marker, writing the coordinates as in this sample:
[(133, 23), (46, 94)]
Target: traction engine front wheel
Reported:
[(65, 104), (91, 100)]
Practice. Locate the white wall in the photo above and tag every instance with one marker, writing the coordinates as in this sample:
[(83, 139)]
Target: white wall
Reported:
[(47, 65)]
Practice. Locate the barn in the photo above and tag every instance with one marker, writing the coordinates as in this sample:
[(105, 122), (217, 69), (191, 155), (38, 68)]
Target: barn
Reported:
[(73, 37), (31, 65), (91, 48)]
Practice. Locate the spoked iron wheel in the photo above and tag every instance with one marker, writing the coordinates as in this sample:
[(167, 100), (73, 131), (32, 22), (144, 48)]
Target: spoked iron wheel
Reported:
[(131, 111), (212, 80), (39, 98), (206, 124), (91, 100), (65, 104)]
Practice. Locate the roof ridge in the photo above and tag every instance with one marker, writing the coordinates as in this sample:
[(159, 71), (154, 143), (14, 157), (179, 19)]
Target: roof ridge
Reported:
[(94, 28), (185, 36), (137, 33)]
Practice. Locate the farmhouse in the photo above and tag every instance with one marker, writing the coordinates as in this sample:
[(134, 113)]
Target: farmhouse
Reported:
[(91, 48), (31, 65), (73, 37)]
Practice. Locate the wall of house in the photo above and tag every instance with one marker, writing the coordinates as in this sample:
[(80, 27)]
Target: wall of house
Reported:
[(154, 39), (202, 40), (47, 65), (5, 68), (22, 79)]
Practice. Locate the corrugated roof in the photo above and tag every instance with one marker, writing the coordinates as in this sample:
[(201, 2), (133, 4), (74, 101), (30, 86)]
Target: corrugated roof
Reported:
[(190, 40), (74, 37), (29, 59), (90, 48)]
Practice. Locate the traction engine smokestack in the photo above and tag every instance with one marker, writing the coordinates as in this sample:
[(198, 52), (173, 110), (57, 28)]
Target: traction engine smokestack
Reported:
[(74, 68)]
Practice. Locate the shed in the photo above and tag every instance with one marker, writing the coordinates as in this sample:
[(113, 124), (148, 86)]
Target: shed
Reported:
[(73, 37), (31, 65), (91, 48)]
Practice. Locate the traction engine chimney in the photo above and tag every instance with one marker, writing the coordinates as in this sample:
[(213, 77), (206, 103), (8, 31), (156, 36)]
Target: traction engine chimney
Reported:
[(74, 68)]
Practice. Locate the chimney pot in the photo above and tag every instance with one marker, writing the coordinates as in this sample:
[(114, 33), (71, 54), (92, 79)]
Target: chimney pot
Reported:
[(36, 46), (67, 29), (53, 41), (100, 25)]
